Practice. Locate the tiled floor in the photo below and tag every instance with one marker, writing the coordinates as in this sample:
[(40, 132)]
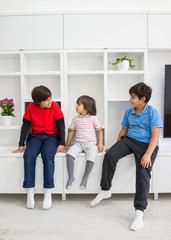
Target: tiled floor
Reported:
[(74, 219)]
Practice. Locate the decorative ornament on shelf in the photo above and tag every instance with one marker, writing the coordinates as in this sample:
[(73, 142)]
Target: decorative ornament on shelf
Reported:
[(7, 114), (123, 63)]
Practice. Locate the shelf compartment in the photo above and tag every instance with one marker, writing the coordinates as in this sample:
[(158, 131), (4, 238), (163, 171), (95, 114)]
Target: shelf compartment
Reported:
[(51, 82), (9, 137), (116, 112), (10, 88), (138, 59), (118, 86), (38, 62), (92, 61), (9, 63), (91, 85)]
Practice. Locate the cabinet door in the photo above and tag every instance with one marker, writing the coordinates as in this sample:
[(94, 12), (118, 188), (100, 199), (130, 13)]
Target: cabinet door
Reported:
[(161, 175), (31, 32), (105, 31), (11, 175), (124, 178), (159, 35)]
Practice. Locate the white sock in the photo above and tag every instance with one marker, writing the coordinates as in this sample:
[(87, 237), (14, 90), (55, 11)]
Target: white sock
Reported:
[(47, 202), (137, 223), (30, 198), (102, 195)]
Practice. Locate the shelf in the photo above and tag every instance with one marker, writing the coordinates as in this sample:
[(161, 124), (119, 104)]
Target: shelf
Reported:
[(53, 82), (41, 62), (42, 73), (85, 72), (85, 61), (15, 127), (10, 73), (9, 63), (138, 61), (130, 72)]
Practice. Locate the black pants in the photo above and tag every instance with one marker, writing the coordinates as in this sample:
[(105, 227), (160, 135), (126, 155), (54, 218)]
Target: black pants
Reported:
[(119, 150)]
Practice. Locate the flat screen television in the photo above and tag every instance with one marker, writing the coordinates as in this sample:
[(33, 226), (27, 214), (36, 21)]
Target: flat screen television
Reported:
[(167, 102)]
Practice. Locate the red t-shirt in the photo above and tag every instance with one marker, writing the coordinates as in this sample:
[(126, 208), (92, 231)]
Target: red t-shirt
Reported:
[(43, 119)]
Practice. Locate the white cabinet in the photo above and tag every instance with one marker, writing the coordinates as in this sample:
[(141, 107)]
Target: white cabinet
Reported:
[(159, 35), (105, 31), (12, 174), (31, 32), (161, 171)]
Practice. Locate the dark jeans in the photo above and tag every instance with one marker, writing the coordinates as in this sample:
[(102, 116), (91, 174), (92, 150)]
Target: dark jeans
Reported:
[(46, 145), (119, 150)]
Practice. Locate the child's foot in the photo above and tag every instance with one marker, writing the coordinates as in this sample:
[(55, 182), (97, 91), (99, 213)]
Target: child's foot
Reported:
[(30, 198), (82, 187), (83, 184), (102, 195), (137, 223), (70, 182), (47, 202)]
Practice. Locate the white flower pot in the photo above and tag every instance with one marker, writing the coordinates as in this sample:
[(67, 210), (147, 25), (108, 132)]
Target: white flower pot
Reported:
[(6, 120), (123, 66)]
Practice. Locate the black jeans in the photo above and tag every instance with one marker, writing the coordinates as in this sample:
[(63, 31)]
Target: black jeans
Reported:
[(119, 150)]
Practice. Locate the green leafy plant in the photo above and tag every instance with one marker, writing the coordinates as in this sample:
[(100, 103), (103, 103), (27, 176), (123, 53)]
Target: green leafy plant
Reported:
[(119, 60), (7, 106)]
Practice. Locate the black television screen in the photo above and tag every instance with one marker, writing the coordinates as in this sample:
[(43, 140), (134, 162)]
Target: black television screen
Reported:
[(167, 102)]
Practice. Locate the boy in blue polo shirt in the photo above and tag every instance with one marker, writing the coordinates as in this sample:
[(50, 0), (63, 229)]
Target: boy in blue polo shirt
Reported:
[(139, 135)]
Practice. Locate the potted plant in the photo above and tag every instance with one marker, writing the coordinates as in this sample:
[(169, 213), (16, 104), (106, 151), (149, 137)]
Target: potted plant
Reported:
[(7, 114), (123, 63)]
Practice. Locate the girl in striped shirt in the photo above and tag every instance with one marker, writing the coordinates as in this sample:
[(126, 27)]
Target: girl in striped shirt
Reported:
[(84, 126)]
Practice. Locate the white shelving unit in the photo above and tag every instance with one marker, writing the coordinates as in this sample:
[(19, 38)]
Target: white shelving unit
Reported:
[(70, 74)]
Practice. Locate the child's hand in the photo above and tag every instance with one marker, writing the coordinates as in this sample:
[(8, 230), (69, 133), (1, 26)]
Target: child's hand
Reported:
[(61, 148), (146, 161), (100, 148), (20, 149), (65, 149)]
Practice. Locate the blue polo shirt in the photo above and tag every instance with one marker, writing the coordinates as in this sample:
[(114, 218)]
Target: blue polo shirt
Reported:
[(139, 126)]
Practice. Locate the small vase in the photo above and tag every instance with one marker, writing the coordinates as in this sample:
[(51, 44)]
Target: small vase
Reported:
[(6, 120), (123, 66)]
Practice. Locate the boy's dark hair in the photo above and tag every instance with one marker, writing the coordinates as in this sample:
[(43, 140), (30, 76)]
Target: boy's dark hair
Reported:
[(88, 103), (141, 90), (40, 93)]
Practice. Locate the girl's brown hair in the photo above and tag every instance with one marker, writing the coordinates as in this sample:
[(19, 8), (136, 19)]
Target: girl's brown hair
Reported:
[(88, 103)]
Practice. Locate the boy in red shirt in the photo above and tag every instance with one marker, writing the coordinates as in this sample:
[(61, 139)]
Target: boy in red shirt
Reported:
[(48, 136)]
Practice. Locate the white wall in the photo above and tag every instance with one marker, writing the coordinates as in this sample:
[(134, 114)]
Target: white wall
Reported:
[(24, 6)]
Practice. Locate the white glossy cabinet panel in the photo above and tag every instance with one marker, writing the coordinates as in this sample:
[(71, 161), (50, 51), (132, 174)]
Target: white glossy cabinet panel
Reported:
[(105, 31), (31, 32), (159, 35)]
